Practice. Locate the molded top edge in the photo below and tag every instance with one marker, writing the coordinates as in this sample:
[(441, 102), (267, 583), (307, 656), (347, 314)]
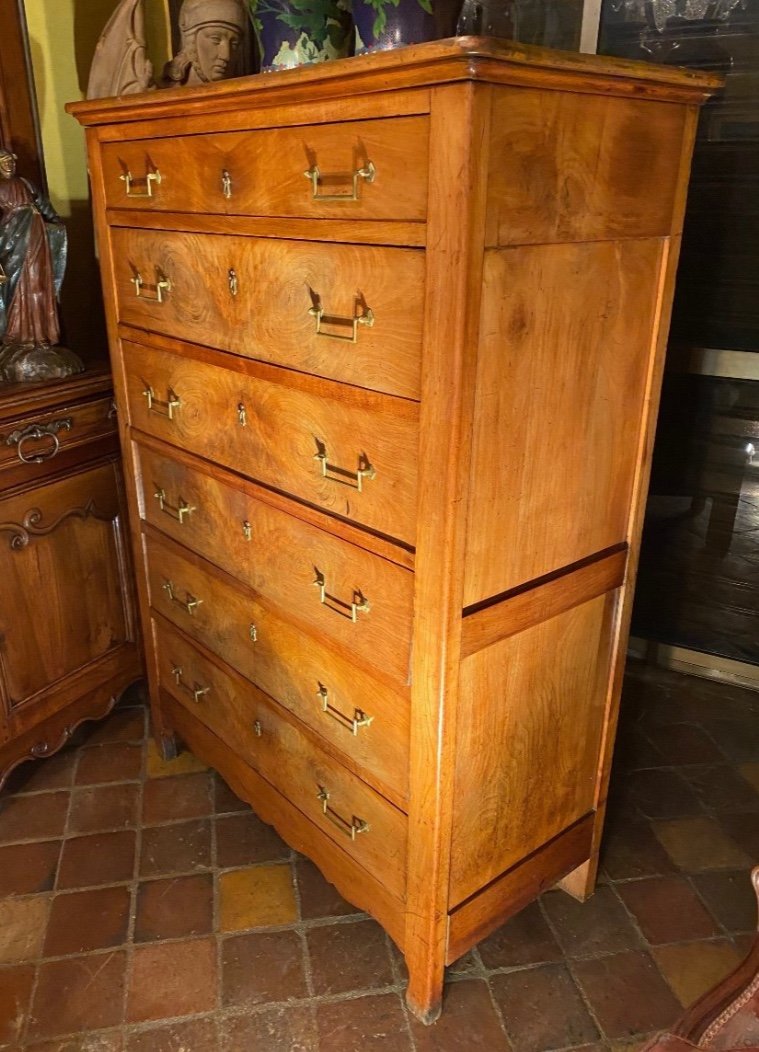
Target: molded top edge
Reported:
[(485, 59)]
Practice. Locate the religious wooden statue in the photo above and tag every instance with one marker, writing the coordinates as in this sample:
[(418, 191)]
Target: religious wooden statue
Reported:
[(33, 248), (120, 65), (212, 42)]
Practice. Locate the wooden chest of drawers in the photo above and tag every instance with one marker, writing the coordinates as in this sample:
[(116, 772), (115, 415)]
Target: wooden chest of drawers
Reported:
[(388, 336)]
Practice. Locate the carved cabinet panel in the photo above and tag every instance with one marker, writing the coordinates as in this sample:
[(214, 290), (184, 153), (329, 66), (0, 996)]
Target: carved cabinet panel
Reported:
[(67, 630)]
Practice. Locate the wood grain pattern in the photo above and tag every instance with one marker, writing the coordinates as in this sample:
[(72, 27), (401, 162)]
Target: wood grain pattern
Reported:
[(282, 753), (276, 284), (526, 768), (309, 446), (288, 664), (567, 167), (462, 58), (474, 919), (266, 171), (67, 653), (353, 882), (281, 559), (524, 608), (573, 332), (534, 408)]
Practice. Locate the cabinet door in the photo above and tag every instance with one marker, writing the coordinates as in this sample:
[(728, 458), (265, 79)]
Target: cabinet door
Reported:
[(65, 607)]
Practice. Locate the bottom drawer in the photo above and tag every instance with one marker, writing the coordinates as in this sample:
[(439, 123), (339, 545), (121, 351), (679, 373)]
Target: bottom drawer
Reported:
[(362, 822)]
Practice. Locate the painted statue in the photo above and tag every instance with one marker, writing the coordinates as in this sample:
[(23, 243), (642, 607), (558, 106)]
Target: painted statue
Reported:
[(212, 42), (120, 65), (33, 248)]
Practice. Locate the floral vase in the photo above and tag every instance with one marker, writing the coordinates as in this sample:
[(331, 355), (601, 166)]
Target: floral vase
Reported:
[(293, 32), (393, 23)]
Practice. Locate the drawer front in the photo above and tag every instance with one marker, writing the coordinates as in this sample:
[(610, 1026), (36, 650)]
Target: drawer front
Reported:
[(358, 715), (374, 169), (348, 312), (361, 602), (350, 453), (364, 824), (39, 438)]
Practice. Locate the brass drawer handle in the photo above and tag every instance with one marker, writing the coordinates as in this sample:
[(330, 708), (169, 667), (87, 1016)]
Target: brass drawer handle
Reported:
[(368, 173), (189, 605), (258, 728), (226, 183), (159, 406), (148, 181), (359, 603), (359, 718), (337, 474), (365, 318), (156, 292), (35, 432), (352, 828), (196, 692), (233, 282), (252, 633), (174, 511)]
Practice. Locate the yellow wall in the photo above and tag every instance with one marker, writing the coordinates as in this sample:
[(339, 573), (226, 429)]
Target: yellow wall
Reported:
[(62, 39)]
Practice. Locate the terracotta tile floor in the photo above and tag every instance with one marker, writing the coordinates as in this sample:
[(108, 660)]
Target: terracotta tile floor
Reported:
[(144, 908)]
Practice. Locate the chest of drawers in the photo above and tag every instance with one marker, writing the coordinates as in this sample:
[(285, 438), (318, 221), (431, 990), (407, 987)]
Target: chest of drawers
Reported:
[(388, 336)]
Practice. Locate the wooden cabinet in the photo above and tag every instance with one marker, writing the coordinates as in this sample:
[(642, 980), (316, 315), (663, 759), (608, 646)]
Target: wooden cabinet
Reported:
[(388, 336), (67, 618)]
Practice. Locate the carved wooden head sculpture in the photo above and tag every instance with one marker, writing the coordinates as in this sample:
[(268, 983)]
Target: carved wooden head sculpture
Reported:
[(211, 32)]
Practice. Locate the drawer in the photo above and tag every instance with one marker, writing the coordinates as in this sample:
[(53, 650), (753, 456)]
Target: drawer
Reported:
[(349, 452), (354, 712), (373, 169), (348, 312), (40, 437), (362, 822), (359, 601)]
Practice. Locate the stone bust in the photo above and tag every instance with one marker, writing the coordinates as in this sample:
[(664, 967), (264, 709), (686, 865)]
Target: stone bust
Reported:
[(212, 34)]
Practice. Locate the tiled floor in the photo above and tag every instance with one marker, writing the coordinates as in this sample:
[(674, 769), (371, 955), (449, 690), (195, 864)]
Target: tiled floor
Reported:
[(143, 908)]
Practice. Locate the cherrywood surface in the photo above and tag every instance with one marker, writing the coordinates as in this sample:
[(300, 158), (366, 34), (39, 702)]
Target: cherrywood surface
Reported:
[(581, 882), (353, 881), (288, 664), (281, 560), (578, 320), (526, 768), (462, 58), (476, 917), (568, 167), (276, 284), (528, 606), (85, 420), (66, 652), (309, 446), (497, 566), (267, 169), (286, 756)]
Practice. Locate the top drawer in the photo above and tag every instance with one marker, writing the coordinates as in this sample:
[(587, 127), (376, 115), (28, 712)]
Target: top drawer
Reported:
[(42, 436), (373, 169)]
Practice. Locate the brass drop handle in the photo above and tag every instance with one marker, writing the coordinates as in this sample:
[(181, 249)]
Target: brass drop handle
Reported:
[(232, 281), (226, 183), (247, 530), (156, 292), (351, 828), (366, 318), (189, 604), (343, 475), (351, 610), (162, 407), (359, 718), (368, 173), (174, 511), (258, 729), (147, 182), (195, 691), (252, 633), (36, 432)]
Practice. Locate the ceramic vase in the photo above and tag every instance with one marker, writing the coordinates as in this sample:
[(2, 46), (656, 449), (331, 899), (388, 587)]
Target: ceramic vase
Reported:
[(294, 32), (394, 23)]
